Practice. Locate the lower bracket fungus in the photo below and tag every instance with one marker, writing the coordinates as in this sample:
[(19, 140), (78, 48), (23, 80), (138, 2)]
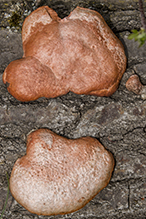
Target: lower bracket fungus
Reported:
[(59, 175)]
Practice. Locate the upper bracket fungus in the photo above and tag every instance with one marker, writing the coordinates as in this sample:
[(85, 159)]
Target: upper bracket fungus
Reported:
[(59, 175), (79, 53)]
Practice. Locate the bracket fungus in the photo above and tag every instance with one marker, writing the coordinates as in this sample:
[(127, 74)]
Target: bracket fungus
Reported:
[(59, 175), (79, 53), (133, 84)]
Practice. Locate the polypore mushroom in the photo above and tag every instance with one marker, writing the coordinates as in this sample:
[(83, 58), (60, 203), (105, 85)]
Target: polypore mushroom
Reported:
[(79, 53), (133, 84), (59, 175)]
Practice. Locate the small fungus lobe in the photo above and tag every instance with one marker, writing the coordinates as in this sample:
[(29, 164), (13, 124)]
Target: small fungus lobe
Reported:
[(133, 84)]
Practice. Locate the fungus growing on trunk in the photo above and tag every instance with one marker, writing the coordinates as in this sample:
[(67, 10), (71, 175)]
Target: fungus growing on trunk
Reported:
[(133, 84), (79, 53), (59, 175)]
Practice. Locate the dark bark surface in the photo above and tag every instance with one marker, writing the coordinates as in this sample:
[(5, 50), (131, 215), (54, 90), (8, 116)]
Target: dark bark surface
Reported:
[(118, 122)]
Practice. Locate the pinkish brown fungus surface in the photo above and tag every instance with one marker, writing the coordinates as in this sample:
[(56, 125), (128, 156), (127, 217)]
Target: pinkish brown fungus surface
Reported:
[(59, 175), (79, 53)]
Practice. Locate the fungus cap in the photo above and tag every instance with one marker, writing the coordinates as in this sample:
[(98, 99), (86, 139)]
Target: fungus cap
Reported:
[(79, 53), (59, 175)]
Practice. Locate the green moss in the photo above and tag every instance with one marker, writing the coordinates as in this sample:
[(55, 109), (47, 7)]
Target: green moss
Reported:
[(15, 20)]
